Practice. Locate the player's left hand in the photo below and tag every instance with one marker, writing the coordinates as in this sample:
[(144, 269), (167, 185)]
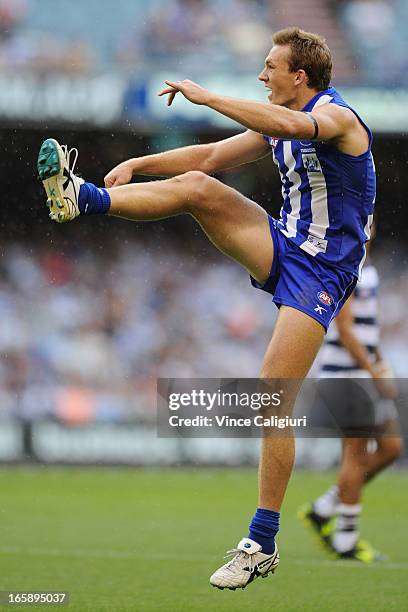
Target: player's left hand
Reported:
[(190, 90)]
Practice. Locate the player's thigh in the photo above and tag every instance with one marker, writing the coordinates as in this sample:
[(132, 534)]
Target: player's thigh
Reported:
[(235, 224)]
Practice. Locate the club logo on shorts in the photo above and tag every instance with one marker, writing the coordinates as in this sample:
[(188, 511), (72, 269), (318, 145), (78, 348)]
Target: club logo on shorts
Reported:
[(325, 298)]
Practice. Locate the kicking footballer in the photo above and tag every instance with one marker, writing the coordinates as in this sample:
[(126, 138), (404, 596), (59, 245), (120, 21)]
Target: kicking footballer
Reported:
[(308, 259)]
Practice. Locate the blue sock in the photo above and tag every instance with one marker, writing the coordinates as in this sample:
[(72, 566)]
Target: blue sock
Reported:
[(263, 529), (93, 200)]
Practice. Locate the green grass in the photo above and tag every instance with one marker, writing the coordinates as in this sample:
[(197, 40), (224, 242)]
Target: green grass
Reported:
[(145, 540)]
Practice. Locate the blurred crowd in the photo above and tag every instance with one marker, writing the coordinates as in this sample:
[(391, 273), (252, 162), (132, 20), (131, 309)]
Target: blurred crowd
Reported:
[(44, 35), (377, 32), (221, 35), (85, 335)]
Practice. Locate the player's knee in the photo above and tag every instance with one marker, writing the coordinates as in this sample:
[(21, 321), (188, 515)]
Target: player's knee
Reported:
[(198, 187), (397, 448), (392, 448), (356, 452)]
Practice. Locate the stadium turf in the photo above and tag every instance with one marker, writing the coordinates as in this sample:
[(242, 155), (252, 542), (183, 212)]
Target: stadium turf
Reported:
[(142, 540)]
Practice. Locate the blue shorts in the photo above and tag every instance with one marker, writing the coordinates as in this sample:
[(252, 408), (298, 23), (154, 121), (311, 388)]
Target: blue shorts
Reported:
[(299, 280)]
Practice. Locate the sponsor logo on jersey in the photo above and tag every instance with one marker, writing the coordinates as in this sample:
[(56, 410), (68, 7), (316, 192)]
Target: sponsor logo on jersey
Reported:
[(319, 309), (319, 243), (325, 298)]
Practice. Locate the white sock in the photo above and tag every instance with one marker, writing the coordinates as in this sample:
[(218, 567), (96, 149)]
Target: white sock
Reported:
[(346, 534), (326, 504)]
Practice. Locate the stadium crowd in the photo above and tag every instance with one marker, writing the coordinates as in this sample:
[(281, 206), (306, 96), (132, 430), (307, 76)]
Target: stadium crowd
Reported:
[(85, 335), (109, 326), (47, 36)]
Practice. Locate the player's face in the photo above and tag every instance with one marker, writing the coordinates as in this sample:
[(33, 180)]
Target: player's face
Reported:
[(277, 77)]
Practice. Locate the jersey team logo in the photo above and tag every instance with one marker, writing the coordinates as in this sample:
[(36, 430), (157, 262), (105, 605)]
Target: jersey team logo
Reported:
[(311, 162), (325, 298)]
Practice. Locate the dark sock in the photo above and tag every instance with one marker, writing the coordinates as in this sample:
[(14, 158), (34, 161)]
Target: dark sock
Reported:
[(93, 200), (263, 529)]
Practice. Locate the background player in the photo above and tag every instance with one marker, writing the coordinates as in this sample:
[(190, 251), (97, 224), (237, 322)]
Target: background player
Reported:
[(324, 157), (351, 350)]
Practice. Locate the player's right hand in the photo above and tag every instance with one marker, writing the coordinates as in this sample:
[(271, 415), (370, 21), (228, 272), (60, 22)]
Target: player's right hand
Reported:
[(119, 175)]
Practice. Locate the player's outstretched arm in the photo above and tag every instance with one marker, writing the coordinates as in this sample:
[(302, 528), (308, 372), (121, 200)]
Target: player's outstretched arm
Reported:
[(208, 158), (263, 118), (236, 151), (328, 122)]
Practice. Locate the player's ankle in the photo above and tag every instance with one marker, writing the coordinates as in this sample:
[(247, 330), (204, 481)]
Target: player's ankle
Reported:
[(263, 529), (93, 200), (326, 505), (346, 534), (344, 541)]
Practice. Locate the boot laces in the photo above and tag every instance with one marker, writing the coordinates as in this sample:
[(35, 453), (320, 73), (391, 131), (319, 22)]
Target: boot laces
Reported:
[(239, 556), (70, 153)]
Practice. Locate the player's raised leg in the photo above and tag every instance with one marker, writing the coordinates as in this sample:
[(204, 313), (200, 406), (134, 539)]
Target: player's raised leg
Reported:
[(235, 224), (291, 352)]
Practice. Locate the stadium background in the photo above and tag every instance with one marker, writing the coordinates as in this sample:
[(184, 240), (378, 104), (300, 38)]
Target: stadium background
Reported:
[(93, 312)]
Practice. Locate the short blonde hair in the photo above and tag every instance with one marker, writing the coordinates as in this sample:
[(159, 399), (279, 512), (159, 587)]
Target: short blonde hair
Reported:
[(308, 52)]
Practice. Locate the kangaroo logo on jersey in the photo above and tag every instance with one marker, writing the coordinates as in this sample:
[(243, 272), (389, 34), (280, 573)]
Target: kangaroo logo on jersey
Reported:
[(311, 162), (325, 298)]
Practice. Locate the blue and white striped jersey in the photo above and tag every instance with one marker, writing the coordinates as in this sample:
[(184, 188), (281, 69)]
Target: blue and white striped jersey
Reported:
[(334, 359), (328, 196)]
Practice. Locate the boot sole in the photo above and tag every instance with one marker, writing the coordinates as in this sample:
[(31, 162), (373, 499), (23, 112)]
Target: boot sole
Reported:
[(49, 169)]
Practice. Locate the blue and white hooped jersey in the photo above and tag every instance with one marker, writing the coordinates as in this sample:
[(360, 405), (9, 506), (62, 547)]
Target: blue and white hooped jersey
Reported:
[(328, 196), (334, 358)]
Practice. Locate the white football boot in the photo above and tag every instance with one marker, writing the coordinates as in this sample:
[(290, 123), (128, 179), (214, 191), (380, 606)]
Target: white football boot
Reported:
[(248, 563), (60, 183)]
